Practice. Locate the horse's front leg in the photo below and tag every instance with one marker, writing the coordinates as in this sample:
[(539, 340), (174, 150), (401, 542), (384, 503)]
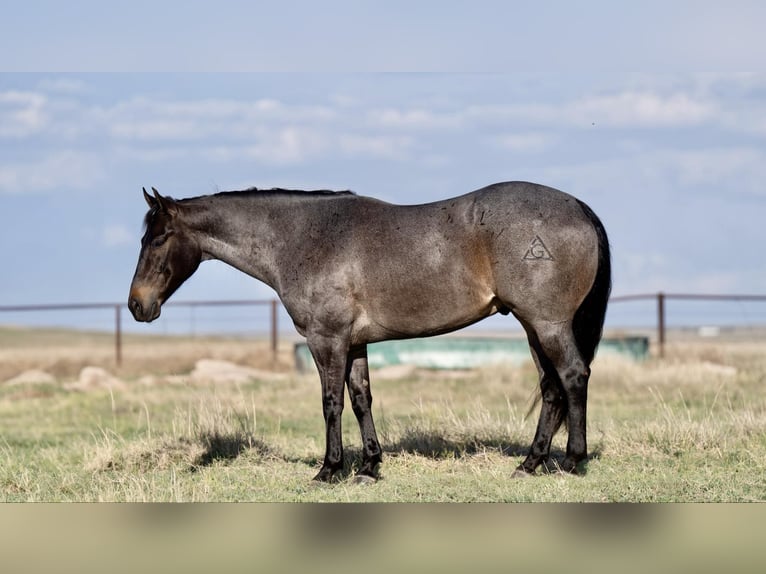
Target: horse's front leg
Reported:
[(330, 354)]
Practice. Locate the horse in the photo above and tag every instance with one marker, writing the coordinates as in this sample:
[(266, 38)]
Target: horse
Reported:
[(353, 270)]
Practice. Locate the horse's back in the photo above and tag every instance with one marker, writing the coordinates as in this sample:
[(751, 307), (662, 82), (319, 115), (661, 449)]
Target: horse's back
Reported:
[(434, 267)]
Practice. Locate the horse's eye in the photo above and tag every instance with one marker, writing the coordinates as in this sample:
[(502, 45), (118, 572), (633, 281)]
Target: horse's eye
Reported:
[(158, 241)]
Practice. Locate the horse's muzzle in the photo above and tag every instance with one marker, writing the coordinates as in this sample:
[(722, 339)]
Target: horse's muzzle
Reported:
[(146, 311)]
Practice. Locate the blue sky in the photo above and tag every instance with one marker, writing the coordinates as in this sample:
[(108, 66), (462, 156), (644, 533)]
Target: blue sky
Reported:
[(369, 35), (673, 160)]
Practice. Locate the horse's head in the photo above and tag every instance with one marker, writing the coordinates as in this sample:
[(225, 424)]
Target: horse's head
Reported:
[(169, 255)]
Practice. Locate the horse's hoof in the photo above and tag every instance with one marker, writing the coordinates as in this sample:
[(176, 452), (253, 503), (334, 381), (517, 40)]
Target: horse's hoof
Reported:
[(325, 476), (569, 467), (364, 479), (521, 473)]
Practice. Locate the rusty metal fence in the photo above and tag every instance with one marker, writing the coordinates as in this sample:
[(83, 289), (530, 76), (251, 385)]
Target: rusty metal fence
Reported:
[(663, 300), (658, 323), (118, 308)]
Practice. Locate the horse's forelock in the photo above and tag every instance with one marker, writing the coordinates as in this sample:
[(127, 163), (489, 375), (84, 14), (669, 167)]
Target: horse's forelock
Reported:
[(150, 216), (153, 211)]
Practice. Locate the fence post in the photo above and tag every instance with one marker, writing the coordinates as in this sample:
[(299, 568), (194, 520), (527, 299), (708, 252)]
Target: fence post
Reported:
[(661, 323), (118, 335), (274, 336)]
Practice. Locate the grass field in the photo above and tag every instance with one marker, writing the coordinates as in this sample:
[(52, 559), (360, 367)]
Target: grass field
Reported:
[(691, 427)]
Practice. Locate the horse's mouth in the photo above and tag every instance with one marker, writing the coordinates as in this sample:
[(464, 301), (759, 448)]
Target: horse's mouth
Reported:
[(144, 313)]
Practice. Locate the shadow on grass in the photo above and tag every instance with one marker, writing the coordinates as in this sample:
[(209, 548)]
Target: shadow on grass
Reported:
[(229, 446), (435, 446), (428, 445)]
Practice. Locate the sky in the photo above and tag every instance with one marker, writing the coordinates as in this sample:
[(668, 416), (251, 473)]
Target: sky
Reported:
[(410, 110)]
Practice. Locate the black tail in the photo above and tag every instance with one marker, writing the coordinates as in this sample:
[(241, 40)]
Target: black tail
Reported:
[(588, 323)]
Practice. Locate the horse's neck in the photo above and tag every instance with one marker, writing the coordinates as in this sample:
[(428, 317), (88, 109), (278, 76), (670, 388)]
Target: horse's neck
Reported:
[(238, 233)]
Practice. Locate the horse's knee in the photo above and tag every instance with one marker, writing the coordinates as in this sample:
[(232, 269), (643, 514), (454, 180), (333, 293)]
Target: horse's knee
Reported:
[(361, 402), (574, 378), (552, 392), (359, 392), (332, 405)]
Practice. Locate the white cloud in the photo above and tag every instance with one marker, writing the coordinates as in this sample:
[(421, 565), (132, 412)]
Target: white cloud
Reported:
[(295, 145), (376, 146), (274, 132), (156, 153), (66, 169), (640, 109), (637, 109), (149, 120), (720, 166), (529, 142), (414, 119), (277, 146), (63, 85), (740, 169), (157, 129), (289, 145), (532, 127), (22, 114)]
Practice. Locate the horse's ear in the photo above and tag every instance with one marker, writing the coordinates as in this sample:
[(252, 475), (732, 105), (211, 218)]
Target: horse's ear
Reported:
[(150, 201), (166, 204)]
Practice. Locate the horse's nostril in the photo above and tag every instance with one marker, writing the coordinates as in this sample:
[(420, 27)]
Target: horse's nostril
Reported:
[(135, 306)]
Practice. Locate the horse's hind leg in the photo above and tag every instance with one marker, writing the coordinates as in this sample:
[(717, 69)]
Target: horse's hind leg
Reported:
[(552, 410), (358, 380), (565, 383)]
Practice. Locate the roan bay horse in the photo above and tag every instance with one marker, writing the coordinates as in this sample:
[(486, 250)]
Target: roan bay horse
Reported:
[(353, 270)]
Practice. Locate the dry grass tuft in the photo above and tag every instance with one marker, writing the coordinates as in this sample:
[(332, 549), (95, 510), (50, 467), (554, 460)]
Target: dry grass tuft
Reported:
[(208, 434)]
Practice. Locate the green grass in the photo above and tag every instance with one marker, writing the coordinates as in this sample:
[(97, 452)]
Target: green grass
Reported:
[(689, 428)]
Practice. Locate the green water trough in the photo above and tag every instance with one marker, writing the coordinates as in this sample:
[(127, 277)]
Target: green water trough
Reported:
[(451, 352)]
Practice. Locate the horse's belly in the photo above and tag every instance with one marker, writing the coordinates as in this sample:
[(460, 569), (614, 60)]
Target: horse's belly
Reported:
[(421, 313)]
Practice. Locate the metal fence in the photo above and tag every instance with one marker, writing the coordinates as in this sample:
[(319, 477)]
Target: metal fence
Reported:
[(663, 300), (117, 308), (652, 308)]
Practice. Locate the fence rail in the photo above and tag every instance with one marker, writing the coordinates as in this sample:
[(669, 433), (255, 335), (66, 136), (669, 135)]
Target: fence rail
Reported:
[(661, 298), (272, 303)]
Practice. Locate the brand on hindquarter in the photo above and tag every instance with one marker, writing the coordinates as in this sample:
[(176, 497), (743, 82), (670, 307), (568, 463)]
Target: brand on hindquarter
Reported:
[(537, 251)]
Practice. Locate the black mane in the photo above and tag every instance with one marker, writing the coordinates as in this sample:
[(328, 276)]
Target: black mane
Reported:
[(282, 191), (254, 191)]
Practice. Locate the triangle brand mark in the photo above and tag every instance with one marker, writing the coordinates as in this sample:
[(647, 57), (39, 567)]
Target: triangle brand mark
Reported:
[(537, 251)]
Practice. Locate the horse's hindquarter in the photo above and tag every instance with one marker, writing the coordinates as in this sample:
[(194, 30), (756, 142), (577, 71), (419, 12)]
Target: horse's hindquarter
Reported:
[(544, 249)]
